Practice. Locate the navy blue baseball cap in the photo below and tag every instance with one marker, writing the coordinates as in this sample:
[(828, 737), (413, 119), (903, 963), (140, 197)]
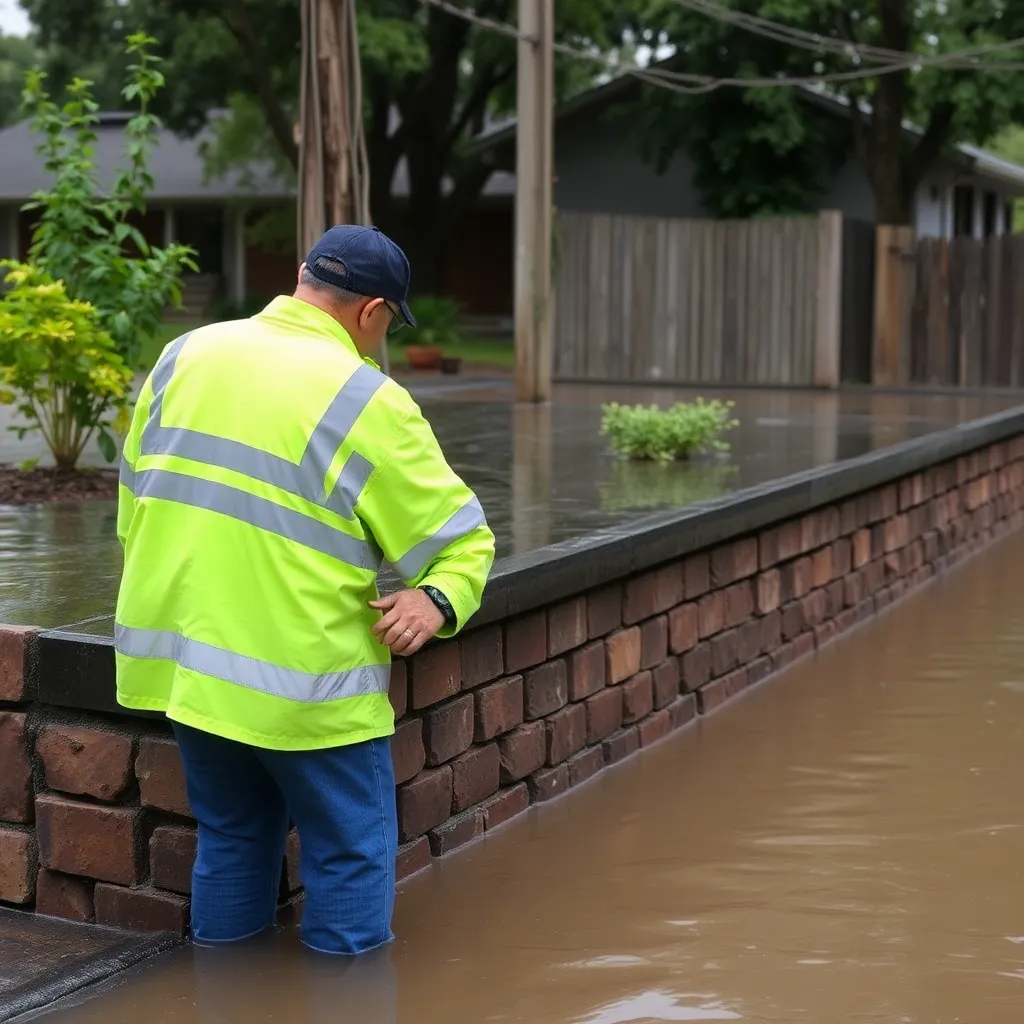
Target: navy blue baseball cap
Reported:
[(363, 261)]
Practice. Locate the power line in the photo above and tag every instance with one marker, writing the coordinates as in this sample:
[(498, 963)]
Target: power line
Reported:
[(691, 84)]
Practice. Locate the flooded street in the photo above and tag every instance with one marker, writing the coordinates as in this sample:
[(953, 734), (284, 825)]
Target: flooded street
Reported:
[(845, 844)]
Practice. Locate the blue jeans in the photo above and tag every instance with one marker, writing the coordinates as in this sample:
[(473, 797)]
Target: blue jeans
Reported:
[(342, 801)]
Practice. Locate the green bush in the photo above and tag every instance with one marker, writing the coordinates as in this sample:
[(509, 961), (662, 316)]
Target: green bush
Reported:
[(85, 238), (438, 323), (59, 366), (679, 432)]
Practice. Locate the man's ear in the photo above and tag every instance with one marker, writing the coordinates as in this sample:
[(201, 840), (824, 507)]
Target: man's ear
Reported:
[(366, 313), (298, 276)]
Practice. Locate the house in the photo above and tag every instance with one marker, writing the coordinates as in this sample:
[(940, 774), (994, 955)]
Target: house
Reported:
[(212, 214)]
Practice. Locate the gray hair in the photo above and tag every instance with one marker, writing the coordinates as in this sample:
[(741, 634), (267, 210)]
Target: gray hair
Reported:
[(339, 295)]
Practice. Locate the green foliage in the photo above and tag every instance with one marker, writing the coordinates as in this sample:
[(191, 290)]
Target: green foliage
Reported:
[(17, 55), (84, 238), (685, 429), (771, 149), (59, 366), (438, 322), (645, 486)]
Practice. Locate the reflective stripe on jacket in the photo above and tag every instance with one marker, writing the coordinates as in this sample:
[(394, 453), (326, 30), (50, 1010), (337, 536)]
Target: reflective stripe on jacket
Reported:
[(268, 474)]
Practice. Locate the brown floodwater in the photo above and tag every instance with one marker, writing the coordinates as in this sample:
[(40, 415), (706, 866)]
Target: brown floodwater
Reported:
[(845, 844)]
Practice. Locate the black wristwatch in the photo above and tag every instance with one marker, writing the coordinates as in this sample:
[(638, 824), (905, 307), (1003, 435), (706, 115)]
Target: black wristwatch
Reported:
[(443, 605)]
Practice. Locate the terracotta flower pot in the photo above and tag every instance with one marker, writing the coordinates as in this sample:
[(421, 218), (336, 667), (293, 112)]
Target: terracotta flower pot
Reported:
[(423, 357), (451, 364)]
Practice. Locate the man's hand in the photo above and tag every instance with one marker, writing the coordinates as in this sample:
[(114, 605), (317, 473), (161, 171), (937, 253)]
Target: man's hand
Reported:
[(410, 619)]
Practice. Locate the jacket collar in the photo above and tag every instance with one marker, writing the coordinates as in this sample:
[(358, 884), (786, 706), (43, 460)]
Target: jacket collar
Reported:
[(289, 311)]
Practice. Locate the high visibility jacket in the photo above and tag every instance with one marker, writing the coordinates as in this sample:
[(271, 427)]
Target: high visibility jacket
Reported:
[(268, 473)]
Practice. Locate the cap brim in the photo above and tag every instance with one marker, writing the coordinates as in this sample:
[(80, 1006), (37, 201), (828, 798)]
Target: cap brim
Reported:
[(407, 317)]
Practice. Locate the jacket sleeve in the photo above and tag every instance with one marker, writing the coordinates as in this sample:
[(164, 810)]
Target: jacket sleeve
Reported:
[(129, 456), (428, 523)]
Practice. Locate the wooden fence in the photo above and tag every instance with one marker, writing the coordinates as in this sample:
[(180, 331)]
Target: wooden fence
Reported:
[(698, 301), (962, 312)]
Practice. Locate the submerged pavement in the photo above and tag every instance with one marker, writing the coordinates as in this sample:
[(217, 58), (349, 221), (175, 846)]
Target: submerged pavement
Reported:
[(843, 844), (543, 474)]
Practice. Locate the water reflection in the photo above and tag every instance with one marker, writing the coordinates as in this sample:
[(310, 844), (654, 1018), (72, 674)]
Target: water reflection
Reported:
[(542, 473)]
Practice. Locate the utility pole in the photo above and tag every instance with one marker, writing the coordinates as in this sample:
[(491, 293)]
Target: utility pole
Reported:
[(534, 172)]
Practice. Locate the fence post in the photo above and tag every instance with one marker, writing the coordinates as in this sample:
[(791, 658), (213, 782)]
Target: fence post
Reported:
[(893, 242), (828, 332)]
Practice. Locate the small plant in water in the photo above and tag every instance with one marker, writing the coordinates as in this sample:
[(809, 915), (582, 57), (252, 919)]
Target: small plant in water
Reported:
[(685, 429)]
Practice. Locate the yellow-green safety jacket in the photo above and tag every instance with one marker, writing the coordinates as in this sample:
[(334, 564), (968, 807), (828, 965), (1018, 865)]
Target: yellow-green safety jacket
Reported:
[(268, 473)]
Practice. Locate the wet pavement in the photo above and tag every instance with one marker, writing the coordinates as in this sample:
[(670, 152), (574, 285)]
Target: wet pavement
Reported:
[(845, 843), (542, 473)]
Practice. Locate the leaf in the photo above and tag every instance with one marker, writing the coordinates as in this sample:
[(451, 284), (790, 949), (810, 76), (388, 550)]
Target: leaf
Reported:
[(107, 446), (28, 465)]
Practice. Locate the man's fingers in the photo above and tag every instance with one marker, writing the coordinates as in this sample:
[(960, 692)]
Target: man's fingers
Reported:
[(386, 622), (384, 603)]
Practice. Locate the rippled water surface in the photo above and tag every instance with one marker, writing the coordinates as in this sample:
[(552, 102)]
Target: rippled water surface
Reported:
[(845, 844)]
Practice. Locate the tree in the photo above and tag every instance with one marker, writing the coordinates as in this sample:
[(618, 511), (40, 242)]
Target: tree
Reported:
[(732, 129), (17, 56), (440, 75)]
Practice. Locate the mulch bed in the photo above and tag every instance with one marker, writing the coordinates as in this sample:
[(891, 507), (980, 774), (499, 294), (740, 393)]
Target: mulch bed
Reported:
[(43, 486)]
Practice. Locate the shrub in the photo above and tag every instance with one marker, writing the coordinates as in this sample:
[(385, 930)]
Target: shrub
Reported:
[(679, 432), (438, 322), (59, 366), (85, 238)]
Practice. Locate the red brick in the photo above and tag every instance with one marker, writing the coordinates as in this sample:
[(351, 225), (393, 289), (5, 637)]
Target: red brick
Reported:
[(407, 752), (141, 910), (412, 858), (683, 711), (88, 839), (896, 533), (725, 654), (545, 690), (769, 588), (653, 641), (64, 896), (604, 714), (655, 728), (711, 614), (696, 576), (499, 708), (793, 620), (759, 670), (566, 733), (803, 645), (825, 633), (714, 695), (621, 745), (842, 557), (522, 751), (505, 805), (637, 698), (86, 762), (475, 776), (425, 802), (448, 729), (790, 540), (398, 692), (17, 867), (623, 653), (696, 667), (861, 548), (483, 657), (548, 783), (653, 592), (739, 603), (585, 765), (586, 671), (734, 561), (16, 774), (172, 852), (813, 606), (17, 650), (604, 610), (797, 579), (768, 548), (435, 673), (771, 632), (161, 777), (526, 641), (683, 628), (822, 568), (853, 589), (567, 626), (666, 683)]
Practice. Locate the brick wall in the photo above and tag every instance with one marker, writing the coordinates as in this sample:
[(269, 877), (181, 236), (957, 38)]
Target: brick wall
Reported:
[(95, 824)]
